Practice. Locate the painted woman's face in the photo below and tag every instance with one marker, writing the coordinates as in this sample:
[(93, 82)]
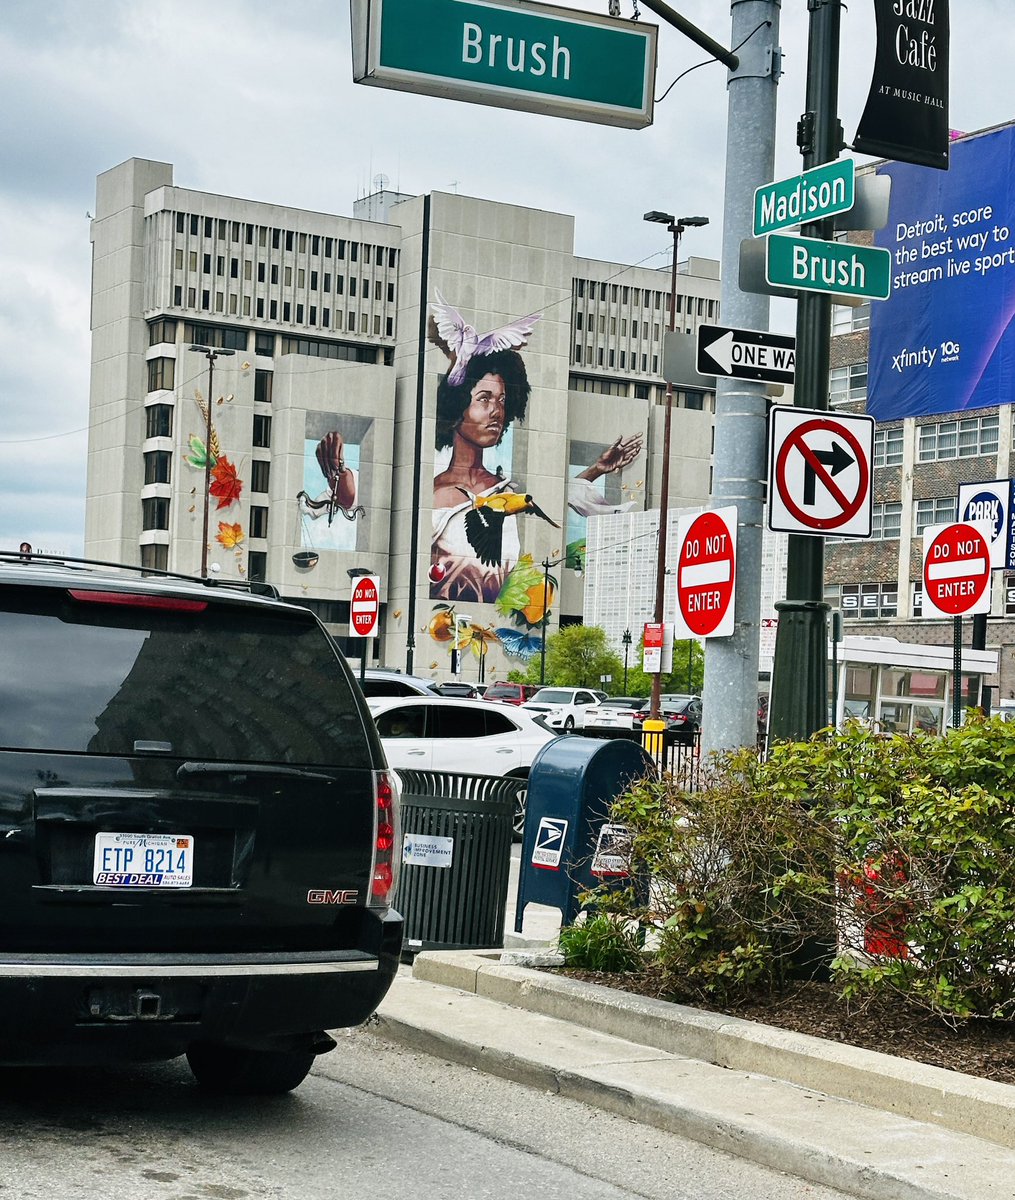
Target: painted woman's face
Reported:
[(483, 421)]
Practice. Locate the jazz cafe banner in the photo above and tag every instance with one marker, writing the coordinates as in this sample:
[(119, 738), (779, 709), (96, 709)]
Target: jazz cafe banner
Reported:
[(944, 340), (906, 116)]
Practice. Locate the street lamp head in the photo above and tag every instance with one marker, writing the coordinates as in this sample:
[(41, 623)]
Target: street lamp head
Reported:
[(659, 218), (692, 221)]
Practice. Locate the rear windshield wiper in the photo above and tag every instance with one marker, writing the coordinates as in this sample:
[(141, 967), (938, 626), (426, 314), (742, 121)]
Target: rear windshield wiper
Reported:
[(242, 768)]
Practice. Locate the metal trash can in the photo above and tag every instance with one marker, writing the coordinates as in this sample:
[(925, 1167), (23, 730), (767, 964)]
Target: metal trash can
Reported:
[(456, 853)]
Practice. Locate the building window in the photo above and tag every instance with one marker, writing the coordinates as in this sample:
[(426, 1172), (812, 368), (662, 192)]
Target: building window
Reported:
[(162, 330), (846, 319), (317, 348), (264, 343), (257, 566), (262, 431), (155, 557), (155, 513), (886, 521), (161, 374), (888, 447), (217, 336), (869, 600), (939, 511), (1009, 595), (258, 521), (958, 439), (260, 470), (156, 466), (263, 386), (159, 420), (847, 384)]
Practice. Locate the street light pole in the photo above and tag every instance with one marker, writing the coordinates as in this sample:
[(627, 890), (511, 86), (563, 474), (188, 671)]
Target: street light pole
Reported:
[(626, 639), (676, 226), (211, 355), (547, 564)]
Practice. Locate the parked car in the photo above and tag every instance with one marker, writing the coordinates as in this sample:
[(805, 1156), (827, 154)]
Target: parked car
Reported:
[(461, 691), (382, 681), (563, 708), (510, 693), (615, 717), (469, 737), (624, 717), (198, 832)]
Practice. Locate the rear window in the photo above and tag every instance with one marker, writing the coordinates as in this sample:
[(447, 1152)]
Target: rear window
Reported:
[(502, 693), (625, 702), (223, 683)]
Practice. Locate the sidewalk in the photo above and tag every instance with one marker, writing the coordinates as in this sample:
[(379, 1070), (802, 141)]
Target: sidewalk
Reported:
[(866, 1123)]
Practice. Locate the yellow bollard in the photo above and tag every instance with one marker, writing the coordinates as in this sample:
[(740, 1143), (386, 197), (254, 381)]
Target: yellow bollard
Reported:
[(652, 737)]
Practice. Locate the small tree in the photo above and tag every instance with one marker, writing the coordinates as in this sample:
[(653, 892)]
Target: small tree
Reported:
[(577, 656)]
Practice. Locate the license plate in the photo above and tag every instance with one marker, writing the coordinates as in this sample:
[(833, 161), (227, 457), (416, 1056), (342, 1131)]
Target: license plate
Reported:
[(157, 860)]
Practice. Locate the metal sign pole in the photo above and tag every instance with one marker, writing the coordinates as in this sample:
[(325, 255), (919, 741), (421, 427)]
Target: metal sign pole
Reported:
[(956, 671)]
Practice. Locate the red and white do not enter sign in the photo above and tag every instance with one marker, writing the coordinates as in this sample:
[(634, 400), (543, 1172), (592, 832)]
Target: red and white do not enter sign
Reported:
[(706, 574), (364, 606), (956, 569)]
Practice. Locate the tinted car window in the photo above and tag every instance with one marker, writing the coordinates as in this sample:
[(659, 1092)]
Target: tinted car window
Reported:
[(221, 683), (387, 687), (497, 722), (457, 721), (502, 693), (405, 721)]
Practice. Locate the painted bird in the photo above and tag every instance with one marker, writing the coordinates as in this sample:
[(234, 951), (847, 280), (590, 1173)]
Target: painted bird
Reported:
[(484, 522), (461, 341)]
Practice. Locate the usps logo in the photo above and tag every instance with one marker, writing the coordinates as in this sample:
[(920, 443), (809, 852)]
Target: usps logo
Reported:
[(549, 847)]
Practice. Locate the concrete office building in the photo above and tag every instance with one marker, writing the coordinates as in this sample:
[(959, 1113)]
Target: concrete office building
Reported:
[(327, 453)]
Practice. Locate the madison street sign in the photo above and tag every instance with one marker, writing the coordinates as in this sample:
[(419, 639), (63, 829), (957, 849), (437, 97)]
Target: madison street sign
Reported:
[(821, 192)]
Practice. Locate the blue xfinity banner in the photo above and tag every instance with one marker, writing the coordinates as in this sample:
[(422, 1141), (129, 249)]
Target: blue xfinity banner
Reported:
[(944, 341)]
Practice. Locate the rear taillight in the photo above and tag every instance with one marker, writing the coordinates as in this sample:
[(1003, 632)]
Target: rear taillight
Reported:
[(641, 716), (383, 875), (138, 600)]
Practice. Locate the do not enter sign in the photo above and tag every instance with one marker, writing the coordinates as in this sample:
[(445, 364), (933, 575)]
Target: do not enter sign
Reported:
[(956, 569), (706, 574), (364, 606)]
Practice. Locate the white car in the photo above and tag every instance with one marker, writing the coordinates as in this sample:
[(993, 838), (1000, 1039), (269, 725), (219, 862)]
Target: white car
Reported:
[(619, 716), (468, 737), (563, 708)]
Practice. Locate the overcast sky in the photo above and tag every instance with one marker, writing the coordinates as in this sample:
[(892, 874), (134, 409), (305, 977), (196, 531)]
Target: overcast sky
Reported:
[(255, 99)]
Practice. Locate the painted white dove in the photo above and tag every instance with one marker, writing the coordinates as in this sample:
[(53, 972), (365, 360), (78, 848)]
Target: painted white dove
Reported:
[(462, 341)]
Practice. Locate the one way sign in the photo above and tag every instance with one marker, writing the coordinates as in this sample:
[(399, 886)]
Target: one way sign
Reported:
[(745, 354)]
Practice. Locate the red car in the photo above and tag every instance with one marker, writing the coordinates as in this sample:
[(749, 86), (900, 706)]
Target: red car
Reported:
[(510, 693)]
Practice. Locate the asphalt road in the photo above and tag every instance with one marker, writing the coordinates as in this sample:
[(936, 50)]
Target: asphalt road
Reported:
[(372, 1119)]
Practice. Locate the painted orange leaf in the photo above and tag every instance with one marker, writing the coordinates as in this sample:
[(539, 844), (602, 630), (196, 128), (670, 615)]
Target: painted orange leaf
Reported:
[(229, 535), (227, 485)]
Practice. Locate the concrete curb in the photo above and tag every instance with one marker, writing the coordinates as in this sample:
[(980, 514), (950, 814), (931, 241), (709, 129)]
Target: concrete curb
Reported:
[(961, 1103)]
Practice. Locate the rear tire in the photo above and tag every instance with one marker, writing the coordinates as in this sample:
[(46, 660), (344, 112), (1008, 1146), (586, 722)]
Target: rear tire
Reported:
[(518, 819), (568, 724), (240, 1071)]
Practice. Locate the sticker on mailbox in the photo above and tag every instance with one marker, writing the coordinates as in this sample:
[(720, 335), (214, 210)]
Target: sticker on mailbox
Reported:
[(549, 845)]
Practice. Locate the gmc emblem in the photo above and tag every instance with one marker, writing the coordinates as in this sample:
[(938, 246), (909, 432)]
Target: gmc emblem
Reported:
[(326, 896)]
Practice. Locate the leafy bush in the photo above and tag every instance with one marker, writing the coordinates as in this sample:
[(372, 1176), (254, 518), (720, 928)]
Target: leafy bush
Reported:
[(899, 849), (603, 942)]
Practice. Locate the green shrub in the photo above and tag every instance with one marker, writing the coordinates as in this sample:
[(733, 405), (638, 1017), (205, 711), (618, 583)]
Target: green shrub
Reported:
[(603, 942), (901, 849)]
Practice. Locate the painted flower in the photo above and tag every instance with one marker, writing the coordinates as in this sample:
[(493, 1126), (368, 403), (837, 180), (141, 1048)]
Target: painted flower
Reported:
[(229, 535), (226, 484)]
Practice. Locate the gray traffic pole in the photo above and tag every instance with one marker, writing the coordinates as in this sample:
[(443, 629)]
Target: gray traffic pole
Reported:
[(730, 697)]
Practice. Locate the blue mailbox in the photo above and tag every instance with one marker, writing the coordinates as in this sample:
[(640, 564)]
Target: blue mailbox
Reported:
[(572, 783)]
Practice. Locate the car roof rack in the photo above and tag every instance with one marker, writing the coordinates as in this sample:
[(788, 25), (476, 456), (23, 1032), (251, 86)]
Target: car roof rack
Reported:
[(254, 587)]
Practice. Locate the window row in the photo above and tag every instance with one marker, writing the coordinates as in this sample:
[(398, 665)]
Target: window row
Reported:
[(645, 329), (964, 438), (302, 243), (847, 384), (288, 276), (601, 357), (298, 314)]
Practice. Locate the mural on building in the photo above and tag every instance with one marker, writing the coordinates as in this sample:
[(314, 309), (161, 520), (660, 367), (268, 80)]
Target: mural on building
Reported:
[(594, 488), (333, 481), (476, 502), (224, 484)]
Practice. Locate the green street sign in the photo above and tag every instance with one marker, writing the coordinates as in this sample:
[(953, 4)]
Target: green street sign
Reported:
[(813, 265), (820, 192), (509, 54)]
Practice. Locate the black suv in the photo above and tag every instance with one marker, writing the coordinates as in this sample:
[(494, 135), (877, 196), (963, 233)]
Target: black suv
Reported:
[(198, 830)]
